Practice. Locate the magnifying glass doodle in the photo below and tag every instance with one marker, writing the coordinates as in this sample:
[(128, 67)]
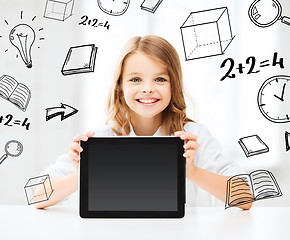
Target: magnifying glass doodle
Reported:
[(265, 13), (12, 148)]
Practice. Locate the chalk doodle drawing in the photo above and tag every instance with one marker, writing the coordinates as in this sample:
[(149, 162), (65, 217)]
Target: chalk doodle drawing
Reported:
[(247, 188), (93, 22), (58, 9), (13, 148), (150, 5), (287, 141), (22, 37), (274, 99), (251, 61), (64, 111), (14, 92), (265, 13), (206, 33), (80, 59), (9, 122), (253, 145), (38, 189), (114, 7)]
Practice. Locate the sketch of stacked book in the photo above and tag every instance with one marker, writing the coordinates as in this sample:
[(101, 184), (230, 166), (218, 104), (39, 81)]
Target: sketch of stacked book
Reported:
[(80, 59), (253, 145), (150, 5)]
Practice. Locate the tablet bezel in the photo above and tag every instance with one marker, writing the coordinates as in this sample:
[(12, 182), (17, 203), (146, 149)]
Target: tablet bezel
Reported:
[(83, 180)]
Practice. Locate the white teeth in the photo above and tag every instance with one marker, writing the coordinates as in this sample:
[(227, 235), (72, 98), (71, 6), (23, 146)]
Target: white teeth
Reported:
[(147, 100)]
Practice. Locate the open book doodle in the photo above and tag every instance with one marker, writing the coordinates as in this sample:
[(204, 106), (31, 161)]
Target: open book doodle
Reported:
[(247, 188), (16, 93), (80, 59)]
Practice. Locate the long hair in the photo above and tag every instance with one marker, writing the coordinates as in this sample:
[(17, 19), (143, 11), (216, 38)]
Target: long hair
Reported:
[(174, 115)]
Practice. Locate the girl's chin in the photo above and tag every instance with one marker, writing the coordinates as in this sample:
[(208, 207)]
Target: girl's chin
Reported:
[(148, 116)]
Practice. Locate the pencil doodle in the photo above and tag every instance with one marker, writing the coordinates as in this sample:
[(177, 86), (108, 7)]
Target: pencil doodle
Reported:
[(38, 189), (150, 5), (114, 7), (93, 22), (22, 37), (206, 33), (253, 145), (58, 9), (287, 141), (274, 99), (14, 92), (64, 111), (80, 59), (265, 13), (251, 61), (247, 188), (8, 121), (13, 148)]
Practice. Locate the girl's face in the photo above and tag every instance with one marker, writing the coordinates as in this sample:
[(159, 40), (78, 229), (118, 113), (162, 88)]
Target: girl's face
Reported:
[(146, 85)]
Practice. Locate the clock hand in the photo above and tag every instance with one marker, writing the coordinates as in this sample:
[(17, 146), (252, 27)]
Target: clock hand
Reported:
[(282, 96), (283, 91), (281, 99)]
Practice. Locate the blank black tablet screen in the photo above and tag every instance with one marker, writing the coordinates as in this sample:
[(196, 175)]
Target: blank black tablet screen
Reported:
[(128, 175)]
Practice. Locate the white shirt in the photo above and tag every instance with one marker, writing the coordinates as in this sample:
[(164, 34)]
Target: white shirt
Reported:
[(208, 156)]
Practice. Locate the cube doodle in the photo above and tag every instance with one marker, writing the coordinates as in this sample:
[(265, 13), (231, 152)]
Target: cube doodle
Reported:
[(206, 33), (43, 184), (58, 9)]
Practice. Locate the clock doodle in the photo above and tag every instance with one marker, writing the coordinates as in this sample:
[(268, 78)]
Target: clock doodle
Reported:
[(114, 7), (274, 99)]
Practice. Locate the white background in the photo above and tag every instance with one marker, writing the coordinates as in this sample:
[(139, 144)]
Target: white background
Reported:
[(228, 108)]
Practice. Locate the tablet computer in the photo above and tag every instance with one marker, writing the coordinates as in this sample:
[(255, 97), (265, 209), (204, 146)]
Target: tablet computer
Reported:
[(132, 177)]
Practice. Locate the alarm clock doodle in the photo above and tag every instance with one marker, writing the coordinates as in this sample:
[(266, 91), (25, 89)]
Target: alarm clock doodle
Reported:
[(274, 99), (114, 7)]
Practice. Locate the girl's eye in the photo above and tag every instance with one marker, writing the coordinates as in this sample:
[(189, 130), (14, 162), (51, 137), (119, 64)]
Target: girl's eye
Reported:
[(160, 79), (135, 80)]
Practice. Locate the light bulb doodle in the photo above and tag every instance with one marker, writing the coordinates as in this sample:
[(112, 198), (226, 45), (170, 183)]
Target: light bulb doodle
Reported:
[(22, 37)]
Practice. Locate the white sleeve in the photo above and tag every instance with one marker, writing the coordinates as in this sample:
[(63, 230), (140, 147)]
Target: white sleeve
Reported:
[(209, 155), (61, 167)]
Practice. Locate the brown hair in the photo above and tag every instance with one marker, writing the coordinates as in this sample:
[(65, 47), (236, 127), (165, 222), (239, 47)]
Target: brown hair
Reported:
[(174, 115)]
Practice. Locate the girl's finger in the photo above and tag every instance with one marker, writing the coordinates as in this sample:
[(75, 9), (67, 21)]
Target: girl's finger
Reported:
[(73, 156), (80, 137), (179, 133), (75, 147), (90, 134), (188, 136), (193, 145), (189, 154)]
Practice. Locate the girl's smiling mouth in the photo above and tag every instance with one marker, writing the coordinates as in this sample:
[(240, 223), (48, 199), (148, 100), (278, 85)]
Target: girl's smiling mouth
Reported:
[(147, 101)]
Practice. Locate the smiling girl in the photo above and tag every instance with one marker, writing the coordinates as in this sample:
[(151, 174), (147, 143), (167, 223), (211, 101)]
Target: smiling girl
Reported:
[(146, 99)]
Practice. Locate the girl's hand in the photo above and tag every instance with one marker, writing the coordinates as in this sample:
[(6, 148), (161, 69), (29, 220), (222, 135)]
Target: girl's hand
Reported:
[(190, 147), (76, 149)]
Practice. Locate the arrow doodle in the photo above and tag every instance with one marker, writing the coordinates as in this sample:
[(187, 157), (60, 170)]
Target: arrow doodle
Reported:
[(64, 110)]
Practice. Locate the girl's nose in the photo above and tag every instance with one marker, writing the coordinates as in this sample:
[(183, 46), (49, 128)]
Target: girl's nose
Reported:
[(147, 91), (147, 88)]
